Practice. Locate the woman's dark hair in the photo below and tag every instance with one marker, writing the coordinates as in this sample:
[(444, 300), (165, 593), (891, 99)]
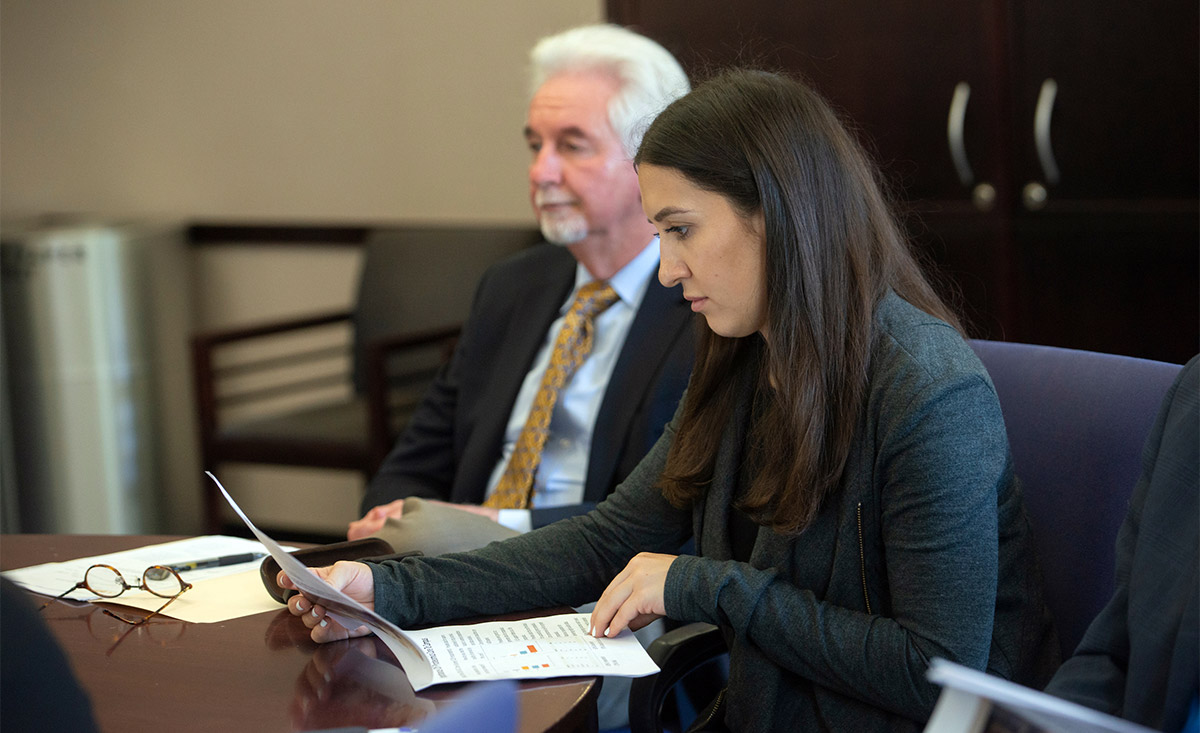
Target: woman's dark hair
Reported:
[(768, 143)]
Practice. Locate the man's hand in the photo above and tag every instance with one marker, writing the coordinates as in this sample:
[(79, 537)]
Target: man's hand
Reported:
[(353, 579), (374, 520), (635, 597)]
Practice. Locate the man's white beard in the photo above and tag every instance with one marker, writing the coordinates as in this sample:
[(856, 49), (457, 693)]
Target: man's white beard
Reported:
[(563, 230)]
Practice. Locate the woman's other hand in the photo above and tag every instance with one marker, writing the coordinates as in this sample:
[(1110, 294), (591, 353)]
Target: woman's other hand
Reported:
[(635, 597)]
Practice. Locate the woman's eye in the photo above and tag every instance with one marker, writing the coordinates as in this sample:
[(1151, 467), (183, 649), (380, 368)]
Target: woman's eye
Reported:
[(679, 231)]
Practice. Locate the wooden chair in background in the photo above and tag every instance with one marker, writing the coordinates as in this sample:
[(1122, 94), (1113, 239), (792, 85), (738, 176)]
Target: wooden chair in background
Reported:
[(333, 390)]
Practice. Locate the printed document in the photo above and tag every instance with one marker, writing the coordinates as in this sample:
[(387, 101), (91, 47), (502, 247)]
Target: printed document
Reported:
[(549, 646)]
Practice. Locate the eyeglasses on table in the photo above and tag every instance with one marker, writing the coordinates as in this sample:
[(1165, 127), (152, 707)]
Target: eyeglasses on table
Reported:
[(107, 582)]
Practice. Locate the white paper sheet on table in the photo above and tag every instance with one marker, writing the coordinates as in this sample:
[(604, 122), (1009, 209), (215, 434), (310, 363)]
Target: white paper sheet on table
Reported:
[(217, 594), (210, 601)]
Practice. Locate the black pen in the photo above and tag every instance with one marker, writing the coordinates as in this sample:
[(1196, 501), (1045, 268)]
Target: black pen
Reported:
[(217, 562)]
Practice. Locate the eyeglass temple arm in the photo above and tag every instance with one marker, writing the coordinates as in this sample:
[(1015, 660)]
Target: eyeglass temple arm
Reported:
[(60, 596), (186, 587)]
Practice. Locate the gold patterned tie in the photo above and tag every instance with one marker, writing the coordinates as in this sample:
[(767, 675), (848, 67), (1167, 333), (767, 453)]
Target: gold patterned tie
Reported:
[(571, 347)]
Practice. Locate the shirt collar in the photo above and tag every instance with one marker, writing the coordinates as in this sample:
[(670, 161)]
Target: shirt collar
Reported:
[(630, 282)]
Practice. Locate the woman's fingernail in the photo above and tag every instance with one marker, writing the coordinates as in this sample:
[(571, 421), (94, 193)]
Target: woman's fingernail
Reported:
[(314, 612), (324, 623)]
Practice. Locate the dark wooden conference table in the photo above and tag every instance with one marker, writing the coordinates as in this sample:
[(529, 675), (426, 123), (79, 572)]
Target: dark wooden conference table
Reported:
[(257, 673)]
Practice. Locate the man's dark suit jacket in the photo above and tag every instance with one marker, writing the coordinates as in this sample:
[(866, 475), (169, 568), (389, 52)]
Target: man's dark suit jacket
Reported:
[(456, 436), (1140, 658)]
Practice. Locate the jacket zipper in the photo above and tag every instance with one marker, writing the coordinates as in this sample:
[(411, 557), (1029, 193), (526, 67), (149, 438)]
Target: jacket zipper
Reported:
[(714, 711), (862, 558)]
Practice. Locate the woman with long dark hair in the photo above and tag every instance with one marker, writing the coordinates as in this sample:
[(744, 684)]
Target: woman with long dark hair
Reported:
[(840, 456)]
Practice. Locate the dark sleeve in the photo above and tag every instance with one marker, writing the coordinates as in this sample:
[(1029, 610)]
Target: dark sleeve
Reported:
[(1162, 515), (40, 690), (423, 461)]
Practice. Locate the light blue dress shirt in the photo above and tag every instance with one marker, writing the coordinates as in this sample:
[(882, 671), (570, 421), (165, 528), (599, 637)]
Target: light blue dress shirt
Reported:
[(563, 469)]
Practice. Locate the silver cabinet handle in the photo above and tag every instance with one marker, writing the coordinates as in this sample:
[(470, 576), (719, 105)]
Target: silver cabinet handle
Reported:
[(954, 132), (1041, 130), (984, 194)]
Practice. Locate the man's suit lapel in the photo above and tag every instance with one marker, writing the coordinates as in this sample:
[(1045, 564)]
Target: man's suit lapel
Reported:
[(652, 335)]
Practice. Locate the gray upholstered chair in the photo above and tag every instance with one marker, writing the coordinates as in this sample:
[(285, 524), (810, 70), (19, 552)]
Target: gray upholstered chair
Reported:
[(1077, 422)]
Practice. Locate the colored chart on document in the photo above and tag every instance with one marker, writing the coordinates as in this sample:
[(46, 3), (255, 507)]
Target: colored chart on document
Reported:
[(551, 646)]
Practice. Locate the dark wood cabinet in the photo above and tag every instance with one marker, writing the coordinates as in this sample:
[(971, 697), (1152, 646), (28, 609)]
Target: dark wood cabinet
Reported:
[(1044, 153), (1124, 118)]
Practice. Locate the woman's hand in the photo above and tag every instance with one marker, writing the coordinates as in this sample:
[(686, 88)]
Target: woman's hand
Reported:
[(635, 597), (353, 579)]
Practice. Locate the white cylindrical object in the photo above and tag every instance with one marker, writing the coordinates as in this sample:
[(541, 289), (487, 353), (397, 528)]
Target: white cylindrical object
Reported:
[(80, 380)]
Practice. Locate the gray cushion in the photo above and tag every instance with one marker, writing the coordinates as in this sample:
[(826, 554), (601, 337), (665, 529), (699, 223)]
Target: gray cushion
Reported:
[(436, 529)]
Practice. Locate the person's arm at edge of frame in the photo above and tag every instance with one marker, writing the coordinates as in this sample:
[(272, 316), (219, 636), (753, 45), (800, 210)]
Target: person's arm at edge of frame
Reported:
[(1096, 674)]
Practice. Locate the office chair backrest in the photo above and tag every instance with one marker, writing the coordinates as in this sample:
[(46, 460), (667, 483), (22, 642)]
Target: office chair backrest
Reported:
[(1077, 422), (419, 278)]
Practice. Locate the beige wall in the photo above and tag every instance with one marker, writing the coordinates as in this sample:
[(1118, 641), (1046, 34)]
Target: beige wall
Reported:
[(285, 109), (268, 110)]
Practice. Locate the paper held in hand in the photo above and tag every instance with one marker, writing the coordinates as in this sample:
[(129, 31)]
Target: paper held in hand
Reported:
[(547, 646)]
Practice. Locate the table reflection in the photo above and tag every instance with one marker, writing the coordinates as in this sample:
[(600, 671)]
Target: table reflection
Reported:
[(159, 631), (253, 674), (356, 682)]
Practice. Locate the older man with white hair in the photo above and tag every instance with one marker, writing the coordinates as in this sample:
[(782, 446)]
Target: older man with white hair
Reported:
[(595, 90)]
